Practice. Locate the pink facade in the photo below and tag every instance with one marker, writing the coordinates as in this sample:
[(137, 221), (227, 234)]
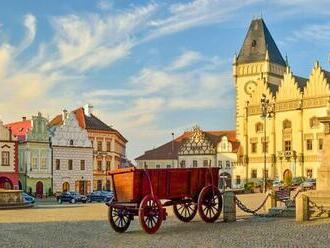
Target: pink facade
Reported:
[(9, 177)]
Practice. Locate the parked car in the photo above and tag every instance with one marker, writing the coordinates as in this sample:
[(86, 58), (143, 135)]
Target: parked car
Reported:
[(71, 197), (277, 184), (100, 196), (27, 198), (310, 183)]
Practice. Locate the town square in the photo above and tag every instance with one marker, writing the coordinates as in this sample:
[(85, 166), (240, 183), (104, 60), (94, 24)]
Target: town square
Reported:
[(193, 123)]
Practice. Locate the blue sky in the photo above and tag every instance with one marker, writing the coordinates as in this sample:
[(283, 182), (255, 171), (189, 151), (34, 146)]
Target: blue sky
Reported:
[(150, 68)]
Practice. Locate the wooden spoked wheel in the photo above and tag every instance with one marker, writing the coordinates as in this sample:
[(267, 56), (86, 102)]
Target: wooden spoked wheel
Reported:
[(209, 204), (119, 219), (150, 214), (185, 211)]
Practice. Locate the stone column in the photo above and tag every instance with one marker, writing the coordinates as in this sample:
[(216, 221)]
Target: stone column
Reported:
[(301, 208), (271, 201), (229, 209)]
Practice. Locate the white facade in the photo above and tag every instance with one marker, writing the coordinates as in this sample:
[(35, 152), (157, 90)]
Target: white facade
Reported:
[(72, 157)]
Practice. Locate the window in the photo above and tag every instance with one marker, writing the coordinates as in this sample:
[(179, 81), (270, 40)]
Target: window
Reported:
[(99, 146), (287, 145), (205, 163), (254, 147), (108, 146), (82, 164), (220, 164), (71, 142), (227, 164), (254, 43), (99, 165), (168, 166), (43, 164), (314, 122), (286, 124), (309, 144), (70, 164), (309, 173), (34, 163), (254, 174), (108, 165), (58, 164), (238, 179), (259, 127), (266, 173), (5, 158), (320, 144), (92, 141), (195, 164), (158, 166), (265, 147), (107, 186), (183, 164)]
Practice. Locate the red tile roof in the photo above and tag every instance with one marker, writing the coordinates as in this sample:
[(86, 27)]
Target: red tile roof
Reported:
[(87, 122), (170, 150), (20, 129)]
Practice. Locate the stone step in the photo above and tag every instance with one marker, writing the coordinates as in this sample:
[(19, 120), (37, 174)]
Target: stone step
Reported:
[(16, 206), (283, 212)]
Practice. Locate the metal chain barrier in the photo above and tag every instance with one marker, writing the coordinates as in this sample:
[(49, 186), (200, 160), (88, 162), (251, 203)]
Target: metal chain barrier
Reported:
[(244, 208), (320, 209)]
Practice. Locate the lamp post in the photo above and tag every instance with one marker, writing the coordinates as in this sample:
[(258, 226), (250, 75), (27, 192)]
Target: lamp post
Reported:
[(267, 111)]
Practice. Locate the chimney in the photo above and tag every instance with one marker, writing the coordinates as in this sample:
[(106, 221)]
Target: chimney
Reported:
[(23, 118), (65, 114), (88, 109)]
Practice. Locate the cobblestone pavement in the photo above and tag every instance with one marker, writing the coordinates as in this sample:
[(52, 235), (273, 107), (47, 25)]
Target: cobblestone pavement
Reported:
[(85, 225)]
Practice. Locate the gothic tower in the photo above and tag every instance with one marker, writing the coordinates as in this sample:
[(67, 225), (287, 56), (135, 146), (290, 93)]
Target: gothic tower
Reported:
[(259, 58)]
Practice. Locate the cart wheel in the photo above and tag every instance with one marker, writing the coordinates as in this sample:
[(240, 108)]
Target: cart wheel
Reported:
[(150, 214), (185, 211), (209, 204), (119, 219)]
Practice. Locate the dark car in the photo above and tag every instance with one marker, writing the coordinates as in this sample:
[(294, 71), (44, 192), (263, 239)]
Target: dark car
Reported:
[(71, 197), (100, 196), (27, 198)]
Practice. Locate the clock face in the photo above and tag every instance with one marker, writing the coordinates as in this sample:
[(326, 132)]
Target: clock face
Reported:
[(250, 87)]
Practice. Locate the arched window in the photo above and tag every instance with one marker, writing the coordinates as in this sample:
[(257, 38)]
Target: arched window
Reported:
[(286, 124), (314, 122), (71, 142), (259, 127), (66, 187), (254, 43)]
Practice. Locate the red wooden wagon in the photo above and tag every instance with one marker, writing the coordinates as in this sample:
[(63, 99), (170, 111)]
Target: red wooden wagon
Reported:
[(138, 192)]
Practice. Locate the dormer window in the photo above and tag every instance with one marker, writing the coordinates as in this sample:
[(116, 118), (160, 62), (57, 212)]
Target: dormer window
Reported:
[(71, 142), (254, 43)]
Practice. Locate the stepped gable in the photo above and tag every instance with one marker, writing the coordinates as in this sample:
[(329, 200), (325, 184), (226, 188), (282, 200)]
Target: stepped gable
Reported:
[(257, 41)]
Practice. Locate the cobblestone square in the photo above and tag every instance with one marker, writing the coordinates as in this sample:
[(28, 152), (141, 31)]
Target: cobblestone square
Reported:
[(86, 225)]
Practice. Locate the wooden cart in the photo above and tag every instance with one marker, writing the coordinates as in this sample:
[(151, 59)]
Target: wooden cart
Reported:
[(137, 192)]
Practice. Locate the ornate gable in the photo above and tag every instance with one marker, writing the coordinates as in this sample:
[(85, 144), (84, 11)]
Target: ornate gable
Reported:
[(288, 89), (317, 85), (261, 88), (70, 134), (197, 144), (39, 130)]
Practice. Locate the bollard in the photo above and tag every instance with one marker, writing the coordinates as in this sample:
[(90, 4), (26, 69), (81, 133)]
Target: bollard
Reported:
[(229, 208), (302, 208), (271, 201)]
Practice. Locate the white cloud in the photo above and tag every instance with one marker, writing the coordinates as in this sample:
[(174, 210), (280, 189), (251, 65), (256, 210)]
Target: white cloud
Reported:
[(30, 33), (312, 33), (186, 59), (104, 5)]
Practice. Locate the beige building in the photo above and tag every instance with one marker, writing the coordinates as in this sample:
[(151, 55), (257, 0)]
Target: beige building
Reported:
[(199, 148), (292, 138)]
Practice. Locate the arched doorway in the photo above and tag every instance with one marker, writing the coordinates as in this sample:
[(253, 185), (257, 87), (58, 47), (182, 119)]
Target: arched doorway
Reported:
[(225, 180), (287, 177), (39, 189), (66, 187), (5, 183)]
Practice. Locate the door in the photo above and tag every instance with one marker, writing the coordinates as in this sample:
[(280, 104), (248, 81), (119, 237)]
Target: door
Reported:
[(225, 180), (287, 177), (66, 187), (39, 189), (82, 188)]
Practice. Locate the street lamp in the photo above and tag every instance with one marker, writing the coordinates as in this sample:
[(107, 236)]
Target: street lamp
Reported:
[(267, 111)]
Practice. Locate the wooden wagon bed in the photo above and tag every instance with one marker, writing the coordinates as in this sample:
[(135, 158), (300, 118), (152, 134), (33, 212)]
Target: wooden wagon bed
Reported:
[(138, 193)]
